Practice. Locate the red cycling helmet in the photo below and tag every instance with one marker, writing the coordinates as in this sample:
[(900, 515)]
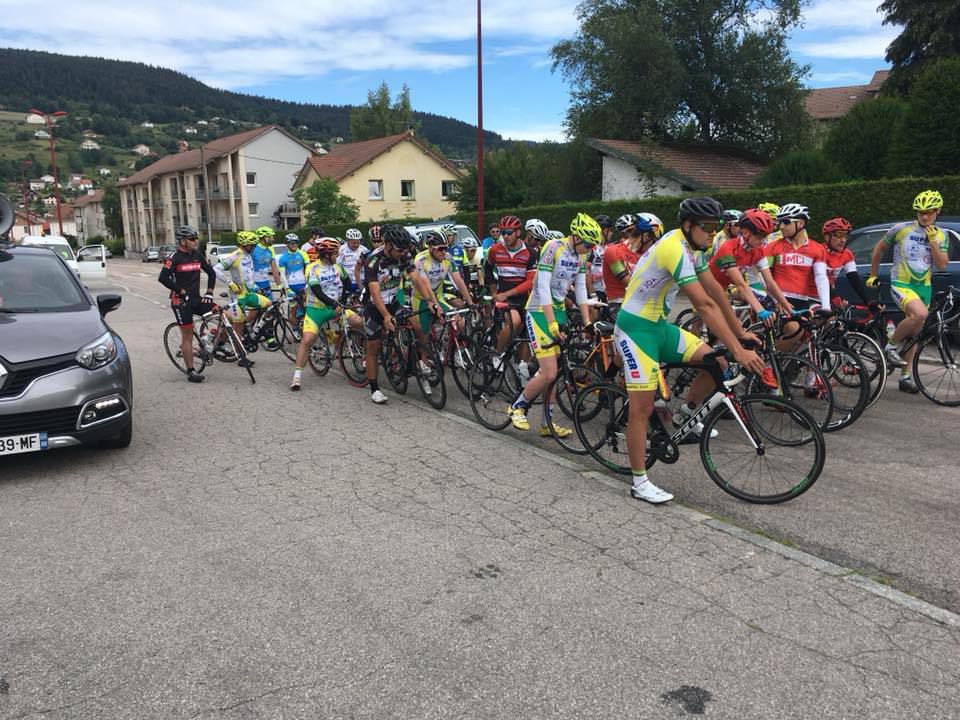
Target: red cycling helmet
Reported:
[(756, 221), (837, 224), (510, 222)]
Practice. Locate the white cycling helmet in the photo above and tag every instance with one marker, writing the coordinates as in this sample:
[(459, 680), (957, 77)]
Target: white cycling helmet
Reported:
[(292, 238), (653, 220), (354, 234), (537, 228), (793, 211), (556, 235), (469, 242), (624, 221)]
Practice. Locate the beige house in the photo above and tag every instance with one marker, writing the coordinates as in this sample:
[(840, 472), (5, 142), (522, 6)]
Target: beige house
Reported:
[(232, 183), (88, 216), (391, 177)]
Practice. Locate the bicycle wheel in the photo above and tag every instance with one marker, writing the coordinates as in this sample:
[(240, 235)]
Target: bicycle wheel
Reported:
[(604, 434), (802, 383), (352, 353), (492, 388), (563, 393), (873, 359), (432, 386), (286, 339), (394, 363), (320, 355), (239, 350), (461, 375), (787, 462), (849, 383), (171, 343), (935, 367)]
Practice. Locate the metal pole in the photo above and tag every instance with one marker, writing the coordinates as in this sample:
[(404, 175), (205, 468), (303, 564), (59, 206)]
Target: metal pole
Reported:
[(26, 207), (56, 176), (480, 222), (206, 196)]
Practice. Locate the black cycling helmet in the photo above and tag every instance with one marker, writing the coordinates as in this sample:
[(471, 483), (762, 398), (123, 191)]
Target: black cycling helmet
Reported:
[(317, 232), (434, 239), (700, 208), (186, 232), (397, 236), (603, 221)]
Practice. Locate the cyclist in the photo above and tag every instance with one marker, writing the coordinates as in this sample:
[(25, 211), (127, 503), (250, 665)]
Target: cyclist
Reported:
[(376, 239), (241, 283), (351, 258), (509, 269), (434, 265), (181, 275), (492, 237), (294, 263), (620, 259), (656, 222), (840, 260), (562, 264), (730, 220), (264, 263), (472, 271), (385, 269), (313, 237), (595, 286), (455, 247), (918, 246), (326, 281), (744, 252)]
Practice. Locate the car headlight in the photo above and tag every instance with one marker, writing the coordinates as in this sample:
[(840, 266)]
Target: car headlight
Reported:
[(100, 352)]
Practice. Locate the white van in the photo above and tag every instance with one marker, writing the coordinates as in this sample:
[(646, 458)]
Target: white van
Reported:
[(57, 243), (90, 262)]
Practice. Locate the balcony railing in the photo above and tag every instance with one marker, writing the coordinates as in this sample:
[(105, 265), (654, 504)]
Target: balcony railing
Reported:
[(289, 210), (218, 194), (220, 224)]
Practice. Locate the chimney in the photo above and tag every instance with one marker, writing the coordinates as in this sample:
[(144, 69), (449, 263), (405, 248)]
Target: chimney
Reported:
[(182, 146)]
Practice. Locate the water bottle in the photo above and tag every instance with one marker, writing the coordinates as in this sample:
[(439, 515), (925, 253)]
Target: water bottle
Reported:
[(523, 370), (890, 330)]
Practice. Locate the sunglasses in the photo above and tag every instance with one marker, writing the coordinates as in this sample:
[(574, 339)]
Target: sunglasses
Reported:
[(708, 227), (508, 232)]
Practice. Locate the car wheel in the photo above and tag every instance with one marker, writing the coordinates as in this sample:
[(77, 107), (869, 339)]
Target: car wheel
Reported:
[(121, 438)]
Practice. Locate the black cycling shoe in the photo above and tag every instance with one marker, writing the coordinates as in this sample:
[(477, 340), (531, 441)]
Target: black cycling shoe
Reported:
[(907, 385), (245, 362), (195, 377)]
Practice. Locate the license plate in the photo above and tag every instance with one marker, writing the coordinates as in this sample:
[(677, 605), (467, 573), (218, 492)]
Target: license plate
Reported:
[(23, 443)]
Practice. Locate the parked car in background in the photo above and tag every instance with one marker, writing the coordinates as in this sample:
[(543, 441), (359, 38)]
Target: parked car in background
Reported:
[(65, 375), (167, 251), (214, 251), (151, 254), (862, 241), (462, 230), (107, 251), (56, 243)]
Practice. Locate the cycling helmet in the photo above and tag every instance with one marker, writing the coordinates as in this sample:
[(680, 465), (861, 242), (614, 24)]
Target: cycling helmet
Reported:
[(397, 236), (928, 200), (771, 209), (315, 232), (449, 229), (311, 252), (328, 245), (470, 242), (555, 235), (537, 228), (354, 234), (434, 239), (837, 224), (793, 211), (374, 232), (292, 238), (756, 221), (245, 237), (732, 216), (264, 231), (625, 221), (603, 221), (642, 225), (185, 232), (653, 220), (700, 208), (510, 222), (587, 229)]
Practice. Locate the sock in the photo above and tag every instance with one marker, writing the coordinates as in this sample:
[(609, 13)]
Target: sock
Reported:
[(521, 403), (296, 373), (374, 386), (905, 374), (891, 345), (639, 477)]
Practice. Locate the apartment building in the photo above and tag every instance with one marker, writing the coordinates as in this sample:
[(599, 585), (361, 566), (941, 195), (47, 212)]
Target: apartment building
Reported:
[(229, 184), (88, 217)]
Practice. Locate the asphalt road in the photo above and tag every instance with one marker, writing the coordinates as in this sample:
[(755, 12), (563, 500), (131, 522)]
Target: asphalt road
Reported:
[(259, 554)]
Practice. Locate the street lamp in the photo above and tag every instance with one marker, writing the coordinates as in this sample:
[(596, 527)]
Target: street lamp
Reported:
[(53, 157)]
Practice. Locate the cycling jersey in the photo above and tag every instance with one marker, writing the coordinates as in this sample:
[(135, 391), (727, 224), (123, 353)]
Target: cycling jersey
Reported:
[(348, 259), (658, 276), (433, 270), (262, 261), (795, 269), (240, 265), (840, 262), (617, 259), (719, 239), (329, 280), (456, 255), (736, 252), (912, 258), (559, 267), (512, 269), (595, 262), (387, 273), (472, 270), (294, 264), (181, 271)]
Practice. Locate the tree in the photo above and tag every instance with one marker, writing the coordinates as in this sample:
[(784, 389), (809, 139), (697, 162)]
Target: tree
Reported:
[(800, 167), (860, 141), (379, 118), (931, 30), (324, 204), (112, 214), (718, 71)]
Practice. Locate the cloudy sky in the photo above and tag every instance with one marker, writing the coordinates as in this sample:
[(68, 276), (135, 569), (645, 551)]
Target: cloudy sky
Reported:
[(334, 52)]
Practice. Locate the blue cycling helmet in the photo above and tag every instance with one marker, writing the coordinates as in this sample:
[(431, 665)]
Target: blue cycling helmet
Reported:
[(642, 225)]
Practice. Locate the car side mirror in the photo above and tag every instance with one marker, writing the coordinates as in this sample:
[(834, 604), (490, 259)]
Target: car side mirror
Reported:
[(108, 302)]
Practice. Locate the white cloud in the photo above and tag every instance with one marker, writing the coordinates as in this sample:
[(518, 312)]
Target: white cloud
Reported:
[(834, 77), (848, 14), (538, 133), (849, 47)]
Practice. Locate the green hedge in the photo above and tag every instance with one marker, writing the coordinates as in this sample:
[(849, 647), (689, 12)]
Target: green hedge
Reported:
[(861, 202), (340, 230)]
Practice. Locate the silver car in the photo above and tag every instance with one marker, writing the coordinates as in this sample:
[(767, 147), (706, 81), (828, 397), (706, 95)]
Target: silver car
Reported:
[(65, 375)]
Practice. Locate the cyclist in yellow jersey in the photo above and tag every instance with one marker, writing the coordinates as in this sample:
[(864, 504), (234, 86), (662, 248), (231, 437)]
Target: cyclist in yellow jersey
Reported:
[(731, 218), (435, 265), (645, 339), (918, 247), (241, 282), (562, 264)]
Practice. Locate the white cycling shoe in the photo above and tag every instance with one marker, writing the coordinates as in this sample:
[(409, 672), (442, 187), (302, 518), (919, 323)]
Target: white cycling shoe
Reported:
[(650, 492), (378, 397)]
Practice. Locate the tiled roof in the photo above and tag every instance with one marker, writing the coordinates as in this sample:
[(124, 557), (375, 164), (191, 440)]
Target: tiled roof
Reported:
[(85, 200), (833, 103), (342, 160), (695, 166)]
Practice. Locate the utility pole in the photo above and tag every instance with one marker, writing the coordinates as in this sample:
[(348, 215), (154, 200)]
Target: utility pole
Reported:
[(480, 223), (53, 158), (24, 164)]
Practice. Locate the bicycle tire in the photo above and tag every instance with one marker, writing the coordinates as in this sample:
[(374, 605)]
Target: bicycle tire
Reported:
[(461, 375), (604, 437), (874, 360), (171, 334), (319, 356), (933, 351), (394, 364), (491, 390), (352, 354), (801, 377), (285, 337), (437, 395), (848, 381), (806, 437), (563, 394)]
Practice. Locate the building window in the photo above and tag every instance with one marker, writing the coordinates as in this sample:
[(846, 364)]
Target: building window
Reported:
[(254, 209), (251, 179), (407, 190), (447, 188), (375, 189)]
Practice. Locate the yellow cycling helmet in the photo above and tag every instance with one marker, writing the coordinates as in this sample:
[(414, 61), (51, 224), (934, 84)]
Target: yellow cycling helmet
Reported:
[(770, 209), (264, 231), (587, 229), (245, 237), (928, 200)]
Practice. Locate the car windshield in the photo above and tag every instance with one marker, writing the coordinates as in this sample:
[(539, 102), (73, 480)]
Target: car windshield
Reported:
[(226, 249), (153, 249), (63, 251), (31, 282)]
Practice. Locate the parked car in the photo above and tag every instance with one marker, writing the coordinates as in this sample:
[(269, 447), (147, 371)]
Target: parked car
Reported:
[(167, 251), (862, 241), (214, 251), (106, 250), (151, 254), (65, 375), (462, 230), (56, 243)]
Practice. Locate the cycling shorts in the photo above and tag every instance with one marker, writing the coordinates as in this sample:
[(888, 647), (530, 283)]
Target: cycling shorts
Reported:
[(298, 288), (644, 344), (264, 287), (903, 293), (250, 301), (542, 341), (316, 317), (426, 317), (185, 310), (373, 320)]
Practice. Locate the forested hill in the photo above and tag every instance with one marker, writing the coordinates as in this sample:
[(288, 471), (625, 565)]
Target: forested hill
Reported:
[(137, 92)]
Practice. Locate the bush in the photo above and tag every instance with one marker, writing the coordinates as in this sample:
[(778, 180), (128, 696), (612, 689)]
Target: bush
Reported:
[(860, 142), (799, 167), (861, 202)]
